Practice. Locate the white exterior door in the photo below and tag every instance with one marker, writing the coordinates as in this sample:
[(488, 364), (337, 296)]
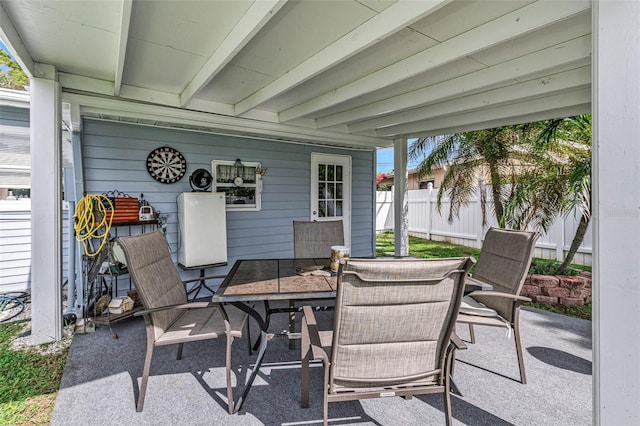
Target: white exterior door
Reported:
[(331, 190)]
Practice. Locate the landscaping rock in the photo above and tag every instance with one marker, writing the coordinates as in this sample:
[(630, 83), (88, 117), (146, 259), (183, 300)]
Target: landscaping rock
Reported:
[(543, 281), (562, 289), (545, 299), (572, 282), (571, 301), (556, 292), (530, 290)]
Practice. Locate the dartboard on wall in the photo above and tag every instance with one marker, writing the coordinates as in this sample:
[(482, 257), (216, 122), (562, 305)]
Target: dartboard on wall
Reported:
[(166, 165)]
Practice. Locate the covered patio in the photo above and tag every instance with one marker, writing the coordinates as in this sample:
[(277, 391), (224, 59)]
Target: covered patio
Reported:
[(102, 376), (277, 82)]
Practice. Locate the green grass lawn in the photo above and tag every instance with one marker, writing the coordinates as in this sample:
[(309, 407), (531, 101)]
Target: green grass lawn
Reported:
[(422, 248), (29, 380)]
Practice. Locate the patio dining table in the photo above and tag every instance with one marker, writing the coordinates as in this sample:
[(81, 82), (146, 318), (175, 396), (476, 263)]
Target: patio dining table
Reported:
[(267, 280)]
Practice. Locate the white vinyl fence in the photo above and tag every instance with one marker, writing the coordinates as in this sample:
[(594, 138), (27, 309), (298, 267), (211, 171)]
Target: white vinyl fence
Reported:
[(467, 230)]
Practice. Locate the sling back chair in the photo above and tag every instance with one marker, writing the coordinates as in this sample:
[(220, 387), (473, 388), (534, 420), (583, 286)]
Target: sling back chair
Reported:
[(311, 240), (503, 263), (168, 316), (392, 333)]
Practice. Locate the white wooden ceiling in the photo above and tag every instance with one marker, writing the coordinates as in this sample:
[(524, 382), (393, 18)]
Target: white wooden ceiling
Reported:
[(358, 72)]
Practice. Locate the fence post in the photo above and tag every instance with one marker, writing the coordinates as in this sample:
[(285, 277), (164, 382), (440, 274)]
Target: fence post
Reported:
[(481, 208), (429, 210), (559, 239)]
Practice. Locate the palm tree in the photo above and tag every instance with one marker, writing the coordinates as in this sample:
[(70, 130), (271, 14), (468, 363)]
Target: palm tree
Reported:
[(490, 154), (559, 182)]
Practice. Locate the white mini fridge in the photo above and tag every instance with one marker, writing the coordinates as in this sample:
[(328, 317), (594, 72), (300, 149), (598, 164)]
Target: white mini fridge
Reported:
[(202, 228)]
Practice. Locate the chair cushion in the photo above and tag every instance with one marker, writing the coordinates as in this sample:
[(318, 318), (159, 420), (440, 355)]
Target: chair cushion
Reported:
[(470, 306)]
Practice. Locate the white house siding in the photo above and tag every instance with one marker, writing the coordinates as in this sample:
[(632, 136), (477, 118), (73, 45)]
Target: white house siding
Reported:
[(15, 158), (15, 245), (114, 157)]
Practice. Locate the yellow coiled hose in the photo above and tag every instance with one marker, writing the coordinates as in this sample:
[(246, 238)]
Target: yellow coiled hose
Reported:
[(93, 216)]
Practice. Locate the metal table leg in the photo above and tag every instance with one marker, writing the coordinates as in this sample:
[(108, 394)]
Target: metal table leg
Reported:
[(262, 339)]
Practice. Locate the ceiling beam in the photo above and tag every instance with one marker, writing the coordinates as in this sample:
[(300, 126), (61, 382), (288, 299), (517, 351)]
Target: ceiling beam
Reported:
[(247, 27), (139, 94), (515, 109), (391, 20), (218, 123), (123, 38), (512, 25), (576, 51), (544, 86), (508, 121), (14, 43)]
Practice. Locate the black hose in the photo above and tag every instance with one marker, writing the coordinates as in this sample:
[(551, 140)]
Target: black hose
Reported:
[(13, 299)]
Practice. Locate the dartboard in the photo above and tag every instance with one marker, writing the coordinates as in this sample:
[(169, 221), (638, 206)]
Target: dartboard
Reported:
[(166, 165)]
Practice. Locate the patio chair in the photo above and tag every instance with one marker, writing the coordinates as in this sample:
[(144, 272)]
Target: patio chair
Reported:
[(311, 240), (314, 239), (503, 263), (392, 333), (168, 316)]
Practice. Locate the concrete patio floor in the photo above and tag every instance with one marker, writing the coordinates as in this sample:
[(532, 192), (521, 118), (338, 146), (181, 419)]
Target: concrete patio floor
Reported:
[(101, 377)]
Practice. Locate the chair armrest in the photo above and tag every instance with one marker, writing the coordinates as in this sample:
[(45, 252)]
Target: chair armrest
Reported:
[(192, 305), (457, 342), (209, 277), (314, 335), (491, 293)]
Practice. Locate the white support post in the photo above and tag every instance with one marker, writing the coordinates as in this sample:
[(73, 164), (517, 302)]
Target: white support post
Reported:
[(400, 205), (46, 206), (616, 212)]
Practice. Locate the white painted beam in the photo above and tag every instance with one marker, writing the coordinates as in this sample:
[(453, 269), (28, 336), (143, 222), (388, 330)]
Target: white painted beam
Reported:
[(391, 20), (219, 123), (577, 51), (86, 84), (46, 206), (507, 121), (103, 87), (14, 43), (527, 19), (123, 37), (247, 27), (616, 212), (562, 100), (545, 86)]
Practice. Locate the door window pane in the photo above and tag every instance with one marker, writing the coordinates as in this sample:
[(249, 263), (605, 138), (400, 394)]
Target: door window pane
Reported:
[(322, 175), (339, 173), (331, 172), (321, 208), (338, 191), (338, 208), (331, 191), (321, 191), (331, 211)]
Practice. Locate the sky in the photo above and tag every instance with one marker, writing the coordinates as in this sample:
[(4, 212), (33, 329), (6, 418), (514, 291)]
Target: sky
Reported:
[(385, 160), (3, 47)]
